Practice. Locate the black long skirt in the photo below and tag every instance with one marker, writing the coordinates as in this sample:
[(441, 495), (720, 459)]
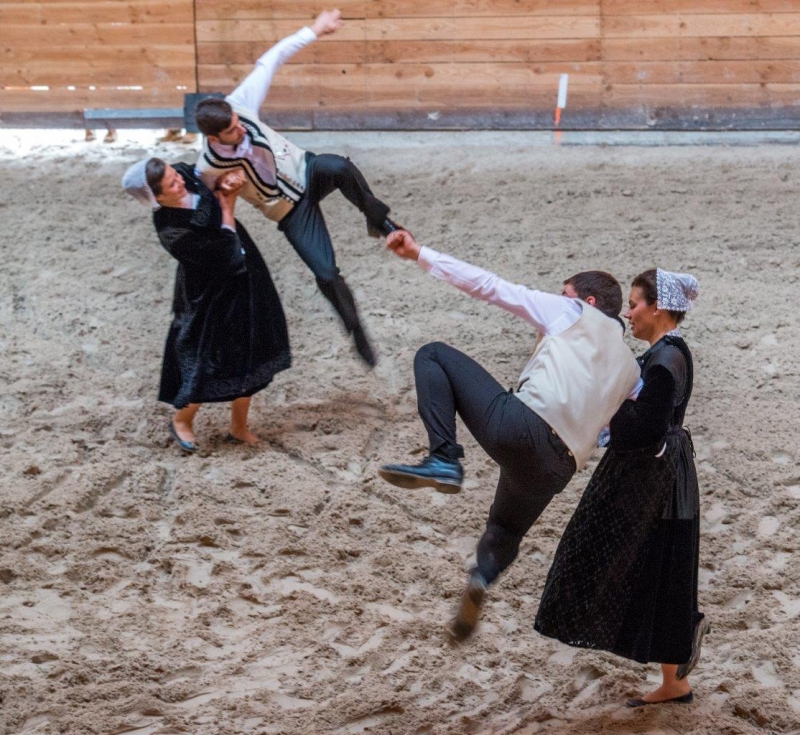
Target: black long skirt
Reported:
[(229, 343), (624, 576)]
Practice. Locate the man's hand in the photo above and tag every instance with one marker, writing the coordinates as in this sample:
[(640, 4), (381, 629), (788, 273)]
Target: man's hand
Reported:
[(403, 244), (231, 182), (328, 21)]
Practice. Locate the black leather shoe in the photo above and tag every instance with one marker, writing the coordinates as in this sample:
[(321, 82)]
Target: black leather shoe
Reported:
[(182, 443), (684, 699), (464, 623), (383, 229), (700, 629), (363, 346), (444, 475)]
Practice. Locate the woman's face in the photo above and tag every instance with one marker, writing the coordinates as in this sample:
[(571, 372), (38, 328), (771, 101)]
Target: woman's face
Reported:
[(173, 189), (641, 315)]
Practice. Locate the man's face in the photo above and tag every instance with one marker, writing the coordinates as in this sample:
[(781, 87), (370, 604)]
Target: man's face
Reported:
[(233, 134), (173, 189)]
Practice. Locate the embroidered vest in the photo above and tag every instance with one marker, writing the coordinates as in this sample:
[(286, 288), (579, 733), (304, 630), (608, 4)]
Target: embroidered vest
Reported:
[(274, 167)]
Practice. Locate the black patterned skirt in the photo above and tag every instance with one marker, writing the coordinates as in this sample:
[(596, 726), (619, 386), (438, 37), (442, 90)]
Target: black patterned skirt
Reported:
[(624, 576)]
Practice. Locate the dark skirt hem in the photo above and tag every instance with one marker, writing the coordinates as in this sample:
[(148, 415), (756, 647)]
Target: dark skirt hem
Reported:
[(589, 646), (230, 389)]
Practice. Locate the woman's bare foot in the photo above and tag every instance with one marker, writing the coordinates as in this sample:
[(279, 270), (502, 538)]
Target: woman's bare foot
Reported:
[(673, 690), (245, 436)]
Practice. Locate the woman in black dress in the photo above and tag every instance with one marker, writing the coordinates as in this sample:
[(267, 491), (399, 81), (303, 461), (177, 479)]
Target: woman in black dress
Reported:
[(228, 335), (624, 576)]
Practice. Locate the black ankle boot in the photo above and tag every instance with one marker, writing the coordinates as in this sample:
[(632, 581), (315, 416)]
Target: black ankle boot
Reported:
[(338, 293), (384, 228)]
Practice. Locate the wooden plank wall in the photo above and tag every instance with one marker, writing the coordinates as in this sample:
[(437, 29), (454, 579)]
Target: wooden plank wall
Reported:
[(407, 60), (496, 63), (684, 62), (421, 63), (95, 53)]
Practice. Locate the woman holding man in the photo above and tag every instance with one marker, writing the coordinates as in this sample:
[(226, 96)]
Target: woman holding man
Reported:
[(624, 576), (228, 336)]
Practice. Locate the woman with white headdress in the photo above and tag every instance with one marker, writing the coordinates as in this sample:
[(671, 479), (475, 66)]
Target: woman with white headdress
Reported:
[(228, 336), (624, 576)]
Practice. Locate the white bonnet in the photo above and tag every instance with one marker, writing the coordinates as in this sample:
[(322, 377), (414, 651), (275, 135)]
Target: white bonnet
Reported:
[(676, 291), (134, 181)]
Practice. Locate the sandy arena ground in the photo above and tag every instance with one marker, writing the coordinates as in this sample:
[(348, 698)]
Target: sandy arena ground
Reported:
[(287, 589)]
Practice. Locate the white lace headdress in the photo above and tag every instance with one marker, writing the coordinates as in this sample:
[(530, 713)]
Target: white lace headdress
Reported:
[(134, 181), (676, 291)]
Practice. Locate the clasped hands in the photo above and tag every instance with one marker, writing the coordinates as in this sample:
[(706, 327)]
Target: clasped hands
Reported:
[(402, 243), (228, 187)]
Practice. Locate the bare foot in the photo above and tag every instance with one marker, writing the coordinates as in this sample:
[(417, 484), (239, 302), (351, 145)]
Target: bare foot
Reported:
[(89, 135), (111, 137), (679, 688), (184, 430), (244, 436)]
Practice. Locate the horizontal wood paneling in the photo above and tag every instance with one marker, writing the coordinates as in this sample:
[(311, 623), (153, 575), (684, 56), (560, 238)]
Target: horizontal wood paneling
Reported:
[(689, 49), (106, 11), (701, 25), (64, 100), (396, 56), (408, 52), (703, 7), (83, 73), (411, 29), (706, 96), (86, 51), (703, 72)]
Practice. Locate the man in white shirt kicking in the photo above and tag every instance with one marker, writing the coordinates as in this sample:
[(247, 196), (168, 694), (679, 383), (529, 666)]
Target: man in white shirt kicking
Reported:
[(285, 182), (541, 432)]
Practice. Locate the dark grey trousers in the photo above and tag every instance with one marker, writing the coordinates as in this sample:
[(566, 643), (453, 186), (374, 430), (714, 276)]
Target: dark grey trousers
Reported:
[(306, 230), (534, 463)]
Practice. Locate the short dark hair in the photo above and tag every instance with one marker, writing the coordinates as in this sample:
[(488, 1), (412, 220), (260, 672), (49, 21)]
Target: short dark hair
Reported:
[(213, 115), (154, 171), (603, 286), (647, 283)]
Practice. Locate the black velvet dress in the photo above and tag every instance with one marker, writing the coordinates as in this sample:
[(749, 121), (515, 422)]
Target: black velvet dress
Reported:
[(624, 576), (228, 336)]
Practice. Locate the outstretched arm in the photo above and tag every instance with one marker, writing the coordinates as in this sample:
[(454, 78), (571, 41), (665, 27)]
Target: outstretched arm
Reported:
[(252, 92), (549, 313)]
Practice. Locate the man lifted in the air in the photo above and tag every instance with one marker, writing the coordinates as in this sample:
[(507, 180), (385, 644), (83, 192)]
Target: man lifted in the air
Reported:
[(286, 183)]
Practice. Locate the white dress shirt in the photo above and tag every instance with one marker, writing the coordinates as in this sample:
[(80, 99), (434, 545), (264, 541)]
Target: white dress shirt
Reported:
[(252, 93), (550, 313)]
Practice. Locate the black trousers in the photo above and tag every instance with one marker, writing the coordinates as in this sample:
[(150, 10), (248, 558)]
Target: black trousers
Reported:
[(534, 463), (305, 226), (306, 230)]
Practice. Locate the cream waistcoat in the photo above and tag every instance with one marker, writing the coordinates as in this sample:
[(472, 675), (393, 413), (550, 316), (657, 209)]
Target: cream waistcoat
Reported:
[(577, 379)]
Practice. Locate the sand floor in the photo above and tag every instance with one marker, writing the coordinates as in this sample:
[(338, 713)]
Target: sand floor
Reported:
[(287, 589)]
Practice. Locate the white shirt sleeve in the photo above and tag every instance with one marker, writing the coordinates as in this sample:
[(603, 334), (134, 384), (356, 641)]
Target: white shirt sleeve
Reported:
[(549, 313), (252, 92)]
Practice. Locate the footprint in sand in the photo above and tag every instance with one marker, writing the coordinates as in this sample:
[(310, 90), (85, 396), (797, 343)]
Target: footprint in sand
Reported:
[(764, 673), (713, 518), (738, 601), (768, 526), (790, 605), (779, 561)]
